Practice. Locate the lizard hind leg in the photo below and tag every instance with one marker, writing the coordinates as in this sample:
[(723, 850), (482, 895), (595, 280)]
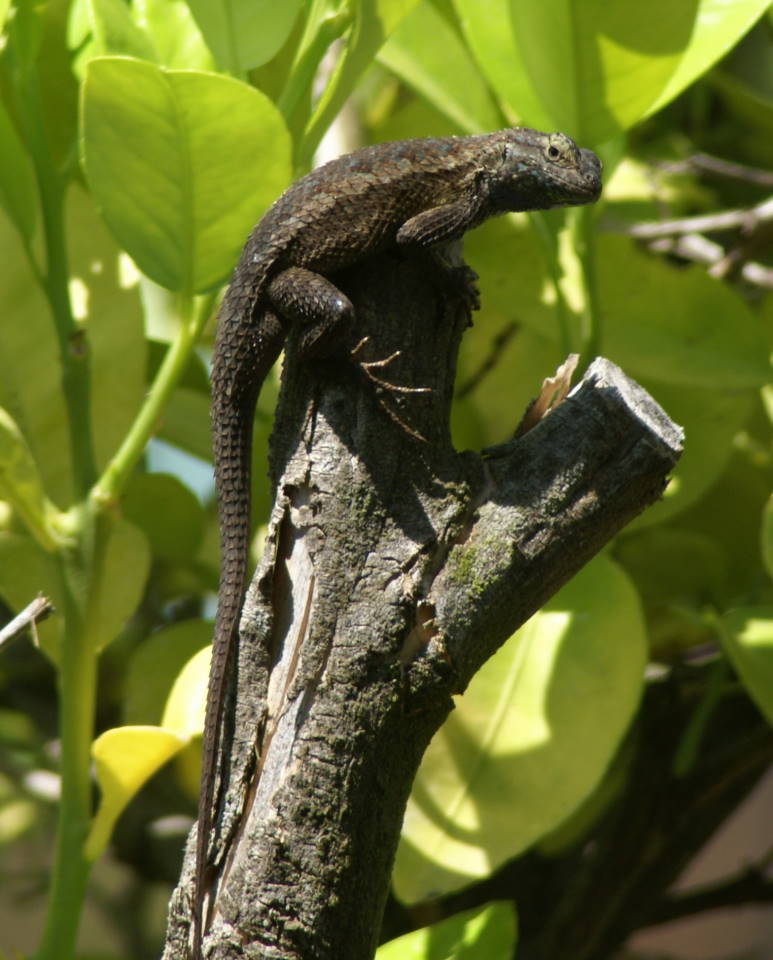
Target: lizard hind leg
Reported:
[(316, 305), (311, 300)]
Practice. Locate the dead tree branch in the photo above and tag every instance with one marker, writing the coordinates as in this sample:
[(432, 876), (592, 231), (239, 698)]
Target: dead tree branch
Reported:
[(393, 568)]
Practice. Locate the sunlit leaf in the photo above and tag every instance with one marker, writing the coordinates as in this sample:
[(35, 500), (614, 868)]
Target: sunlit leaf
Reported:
[(681, 327), (486, 932), (115, 32), (373, 22), (182, 164), (155, 666), (718, 27), (442, 71), (243, 34), (176, 37), (594, 69), (113, 320), (530, 738), (20, 482), (747, 638), (184, 710), (125, 758)]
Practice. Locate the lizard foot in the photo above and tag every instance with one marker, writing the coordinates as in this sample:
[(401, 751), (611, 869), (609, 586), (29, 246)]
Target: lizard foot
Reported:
[(465, 282), (368, 366)]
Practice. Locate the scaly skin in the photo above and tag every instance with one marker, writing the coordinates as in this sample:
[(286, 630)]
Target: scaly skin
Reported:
[(410, 193)]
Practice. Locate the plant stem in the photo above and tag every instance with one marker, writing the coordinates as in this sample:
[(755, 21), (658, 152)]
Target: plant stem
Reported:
[(77, 698), (325, 23), (581, 225), (548, 240), (73, 349), (689, 746)]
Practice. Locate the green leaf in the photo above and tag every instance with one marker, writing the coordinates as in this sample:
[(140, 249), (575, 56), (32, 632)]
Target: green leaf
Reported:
[(56, 110), (186, 704), (675, 567), (18, 812), (678, 573), (20, 482), (681, 326), (175, 35), (169, 514), (729, 513), (719, 26), (507, 257), (113, 325), (243, 34), (115, 32), (373, 22), (182, 164), (25, 571), (767, 537), (186, 422), (442, 71), (485, 933), (594, 69), (118, 582), (515, 360), (124, 759), (490, 28), (18, 194), (752, 111), (747, 638), (710, 419), (155, 666), (5, 6), (530, 739), (111, 315)]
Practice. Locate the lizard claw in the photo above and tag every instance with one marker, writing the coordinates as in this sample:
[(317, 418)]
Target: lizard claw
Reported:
[(465, 280), (368, 366)]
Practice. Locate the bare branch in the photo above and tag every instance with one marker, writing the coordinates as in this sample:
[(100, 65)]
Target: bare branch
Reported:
[(722, 168), (723, 220), (33, 613)]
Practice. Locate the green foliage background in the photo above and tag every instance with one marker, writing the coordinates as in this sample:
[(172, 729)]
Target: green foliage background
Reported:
[(139, 142)]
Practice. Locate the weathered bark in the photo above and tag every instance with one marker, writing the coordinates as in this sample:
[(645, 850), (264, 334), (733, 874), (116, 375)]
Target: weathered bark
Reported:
[(393, 568)]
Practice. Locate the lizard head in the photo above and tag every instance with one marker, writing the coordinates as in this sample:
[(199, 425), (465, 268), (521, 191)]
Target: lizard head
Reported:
[(537, 171)]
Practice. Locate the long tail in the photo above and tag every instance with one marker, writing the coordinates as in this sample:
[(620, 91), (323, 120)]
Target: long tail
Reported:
[(245, 351)]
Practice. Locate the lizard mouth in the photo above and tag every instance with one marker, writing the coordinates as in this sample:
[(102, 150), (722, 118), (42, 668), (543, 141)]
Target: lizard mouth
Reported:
[(590, 171)]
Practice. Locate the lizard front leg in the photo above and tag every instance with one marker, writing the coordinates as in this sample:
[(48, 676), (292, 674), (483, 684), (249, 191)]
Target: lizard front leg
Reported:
[(440, 230)]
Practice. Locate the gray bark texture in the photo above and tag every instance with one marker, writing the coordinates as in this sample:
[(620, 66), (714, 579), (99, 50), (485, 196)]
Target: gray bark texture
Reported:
[(393, 567)]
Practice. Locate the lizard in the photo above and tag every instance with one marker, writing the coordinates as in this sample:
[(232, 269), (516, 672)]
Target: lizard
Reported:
[(409, 194)]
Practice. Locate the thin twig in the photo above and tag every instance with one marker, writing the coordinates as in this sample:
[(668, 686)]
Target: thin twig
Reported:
[(694, 247), (498, 343), (723, 168), (747, 887), (724, 220), (34, 612)]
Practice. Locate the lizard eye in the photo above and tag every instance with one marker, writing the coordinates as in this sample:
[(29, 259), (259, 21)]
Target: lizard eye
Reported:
[(553, 152)]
